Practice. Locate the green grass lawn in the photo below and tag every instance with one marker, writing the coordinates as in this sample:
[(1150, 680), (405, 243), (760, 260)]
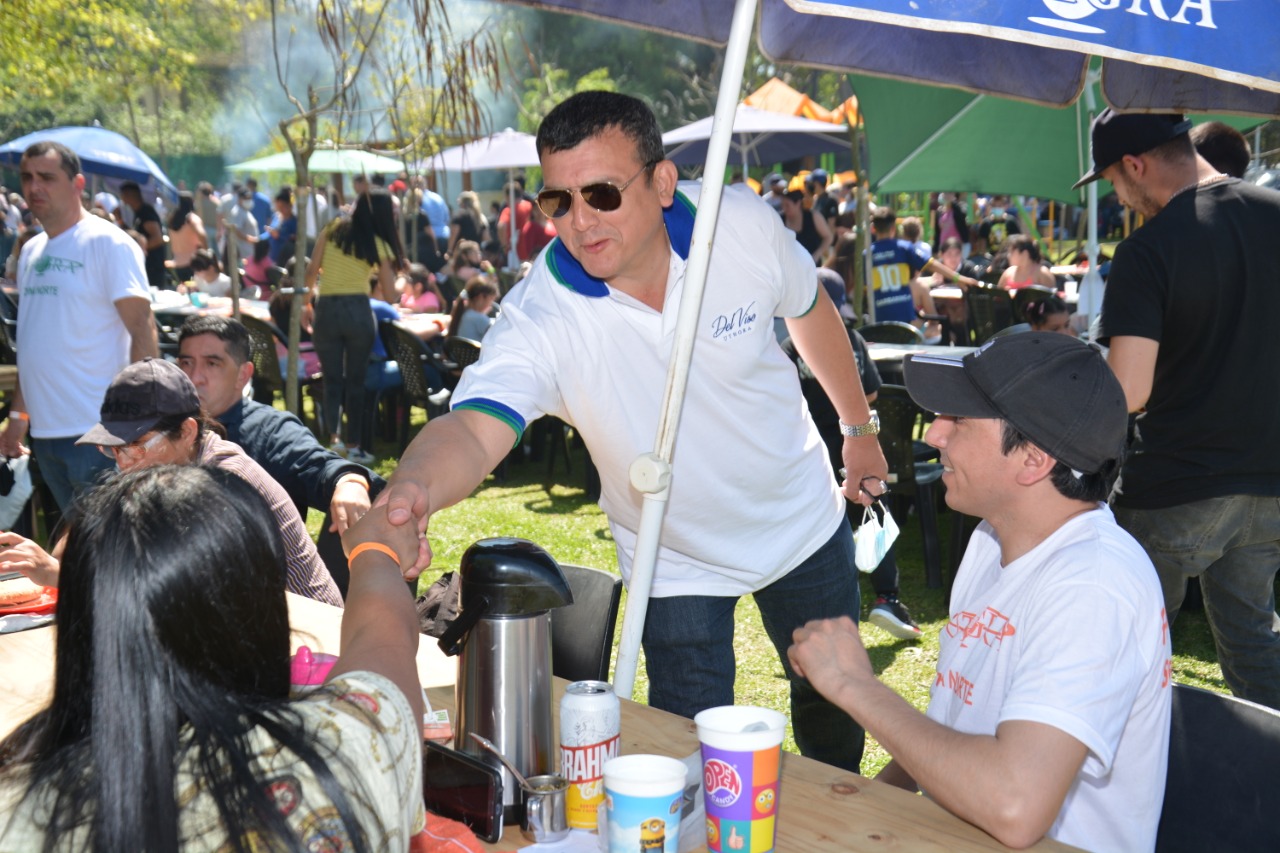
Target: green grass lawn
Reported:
[(562, 520)]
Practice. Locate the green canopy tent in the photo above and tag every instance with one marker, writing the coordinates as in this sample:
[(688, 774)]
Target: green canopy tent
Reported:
[(924, 138)]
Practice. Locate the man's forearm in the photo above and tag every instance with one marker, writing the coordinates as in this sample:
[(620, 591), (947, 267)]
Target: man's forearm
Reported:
[(821, 340), (452, 455), (975, 777)]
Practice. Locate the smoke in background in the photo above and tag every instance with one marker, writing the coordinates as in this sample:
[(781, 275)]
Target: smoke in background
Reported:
[(255, 103)]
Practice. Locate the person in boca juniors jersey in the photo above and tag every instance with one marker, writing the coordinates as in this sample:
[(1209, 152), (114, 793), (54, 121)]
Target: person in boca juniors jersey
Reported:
[(897, 292)]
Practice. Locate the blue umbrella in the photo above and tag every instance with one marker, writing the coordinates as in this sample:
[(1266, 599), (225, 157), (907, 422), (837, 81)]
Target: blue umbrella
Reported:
[(1158, 56), (102, 152), (759, 137)]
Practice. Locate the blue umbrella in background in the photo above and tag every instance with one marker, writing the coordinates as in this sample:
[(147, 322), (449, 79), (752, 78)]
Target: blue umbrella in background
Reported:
[(759, 138), (103, 153), (1158, 56)]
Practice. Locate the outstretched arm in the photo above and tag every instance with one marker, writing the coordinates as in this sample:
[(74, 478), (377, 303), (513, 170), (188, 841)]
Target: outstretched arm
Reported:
[(380, 623), (444, 463)]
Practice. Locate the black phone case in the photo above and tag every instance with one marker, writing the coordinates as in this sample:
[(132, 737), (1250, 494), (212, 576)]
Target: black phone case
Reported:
[(484, 817)]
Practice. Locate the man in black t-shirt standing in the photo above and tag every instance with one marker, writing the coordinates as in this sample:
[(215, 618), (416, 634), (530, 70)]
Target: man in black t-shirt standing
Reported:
[(1188, 314), (147, 223)]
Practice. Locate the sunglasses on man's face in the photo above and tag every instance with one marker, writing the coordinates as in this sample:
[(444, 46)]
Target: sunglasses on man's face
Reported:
[(604, 196)]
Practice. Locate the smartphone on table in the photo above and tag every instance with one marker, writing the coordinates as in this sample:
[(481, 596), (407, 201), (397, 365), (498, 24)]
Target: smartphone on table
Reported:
[(464, 788)]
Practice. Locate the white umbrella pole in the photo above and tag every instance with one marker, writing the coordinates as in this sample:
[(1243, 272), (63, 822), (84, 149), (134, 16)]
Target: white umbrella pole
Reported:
[(513, 260), (1089, 294), (651, 472)]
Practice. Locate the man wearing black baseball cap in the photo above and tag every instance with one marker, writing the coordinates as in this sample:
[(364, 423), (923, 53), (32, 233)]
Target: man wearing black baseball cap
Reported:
[(1188, 314), (1049, 713)]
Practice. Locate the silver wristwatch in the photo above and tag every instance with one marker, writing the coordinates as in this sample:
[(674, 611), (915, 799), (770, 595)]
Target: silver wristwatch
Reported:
[(871, 427)]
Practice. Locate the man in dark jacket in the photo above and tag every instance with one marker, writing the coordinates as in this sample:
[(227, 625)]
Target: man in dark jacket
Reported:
[(216, 353)]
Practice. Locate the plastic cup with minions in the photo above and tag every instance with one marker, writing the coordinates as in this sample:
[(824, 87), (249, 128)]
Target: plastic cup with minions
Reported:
[(643, 796)]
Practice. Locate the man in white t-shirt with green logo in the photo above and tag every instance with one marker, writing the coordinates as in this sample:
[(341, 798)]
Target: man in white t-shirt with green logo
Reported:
[(1049, 712), (85, 314)]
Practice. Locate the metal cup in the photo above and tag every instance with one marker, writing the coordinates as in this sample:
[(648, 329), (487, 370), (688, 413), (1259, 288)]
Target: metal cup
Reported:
[(544, 809)]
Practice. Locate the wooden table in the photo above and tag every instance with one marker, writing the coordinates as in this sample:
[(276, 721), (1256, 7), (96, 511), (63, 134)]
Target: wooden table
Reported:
[(26, 659), (822, 809)]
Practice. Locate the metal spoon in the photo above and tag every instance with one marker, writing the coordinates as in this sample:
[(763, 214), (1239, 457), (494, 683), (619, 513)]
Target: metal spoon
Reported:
[(488, 744)]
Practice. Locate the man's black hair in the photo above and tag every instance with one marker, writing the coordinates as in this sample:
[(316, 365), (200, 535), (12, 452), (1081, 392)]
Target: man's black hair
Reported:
[(1223, 146), (588, 114), (1086, 487), (885, 221), (70, 161), (226, 329)]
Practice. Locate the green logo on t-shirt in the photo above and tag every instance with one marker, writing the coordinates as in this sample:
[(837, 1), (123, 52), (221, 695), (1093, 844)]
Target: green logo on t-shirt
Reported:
[(50, 262)]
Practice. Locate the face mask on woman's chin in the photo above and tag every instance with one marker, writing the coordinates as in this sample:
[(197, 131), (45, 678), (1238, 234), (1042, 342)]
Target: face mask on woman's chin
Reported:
[(247, 205)]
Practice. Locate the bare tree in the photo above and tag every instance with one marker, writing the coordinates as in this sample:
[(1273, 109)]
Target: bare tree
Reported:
[(408, 43)]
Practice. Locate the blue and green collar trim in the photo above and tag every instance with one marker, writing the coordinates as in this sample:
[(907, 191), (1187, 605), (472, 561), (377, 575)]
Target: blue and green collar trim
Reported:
[(566, 270)]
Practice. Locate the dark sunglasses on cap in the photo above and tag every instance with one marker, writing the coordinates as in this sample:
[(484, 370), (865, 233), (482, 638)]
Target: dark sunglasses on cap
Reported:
[(604, 196)]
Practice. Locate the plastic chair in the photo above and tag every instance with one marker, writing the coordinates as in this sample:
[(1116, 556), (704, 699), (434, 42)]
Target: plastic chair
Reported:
[(891, 332), (990, 310), (268, 380), (1024, 296), (461, 351), (899, 418), (1220, 792), (582, 633), (419, 389)]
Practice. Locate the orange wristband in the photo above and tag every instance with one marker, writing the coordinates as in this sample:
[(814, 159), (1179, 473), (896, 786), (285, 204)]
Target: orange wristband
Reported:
[(373, 546), (22, 416)]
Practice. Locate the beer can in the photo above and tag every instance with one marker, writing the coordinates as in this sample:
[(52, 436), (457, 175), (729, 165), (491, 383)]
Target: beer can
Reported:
[(590, 726)]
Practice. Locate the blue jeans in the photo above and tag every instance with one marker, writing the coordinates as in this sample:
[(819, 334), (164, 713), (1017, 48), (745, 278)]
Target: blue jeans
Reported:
[(67, 469), (1232, 544), (688, 648)]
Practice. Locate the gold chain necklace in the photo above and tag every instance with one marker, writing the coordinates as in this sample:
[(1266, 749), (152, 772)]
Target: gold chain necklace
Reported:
[(1203, 182)]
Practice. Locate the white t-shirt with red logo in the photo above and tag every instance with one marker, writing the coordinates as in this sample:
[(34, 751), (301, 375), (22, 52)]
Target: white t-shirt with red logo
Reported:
[(1073, 635)]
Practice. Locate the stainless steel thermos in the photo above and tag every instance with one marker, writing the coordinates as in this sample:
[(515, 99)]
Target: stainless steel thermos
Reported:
[(502, 637)]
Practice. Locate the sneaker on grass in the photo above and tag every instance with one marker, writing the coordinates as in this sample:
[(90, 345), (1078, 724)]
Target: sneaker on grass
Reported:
[(889, 614), (362, 457)]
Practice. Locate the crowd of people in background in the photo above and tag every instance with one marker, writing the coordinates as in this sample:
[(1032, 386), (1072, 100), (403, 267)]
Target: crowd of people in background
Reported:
[(430, 258)]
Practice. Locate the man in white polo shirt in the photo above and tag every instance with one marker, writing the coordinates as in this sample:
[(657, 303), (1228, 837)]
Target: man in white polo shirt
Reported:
[(86, 314), (1049, 713), (587, 337)]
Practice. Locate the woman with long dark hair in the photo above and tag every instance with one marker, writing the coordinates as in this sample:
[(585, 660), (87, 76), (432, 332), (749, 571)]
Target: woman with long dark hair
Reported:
[(171, 725), (347, 251), (186, 234)]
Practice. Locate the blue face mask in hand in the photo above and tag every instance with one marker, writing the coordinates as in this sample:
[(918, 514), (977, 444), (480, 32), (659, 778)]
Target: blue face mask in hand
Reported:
[(874, 537)]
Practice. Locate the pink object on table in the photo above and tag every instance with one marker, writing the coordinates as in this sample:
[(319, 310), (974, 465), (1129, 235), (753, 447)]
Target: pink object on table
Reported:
[(310, 668)]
